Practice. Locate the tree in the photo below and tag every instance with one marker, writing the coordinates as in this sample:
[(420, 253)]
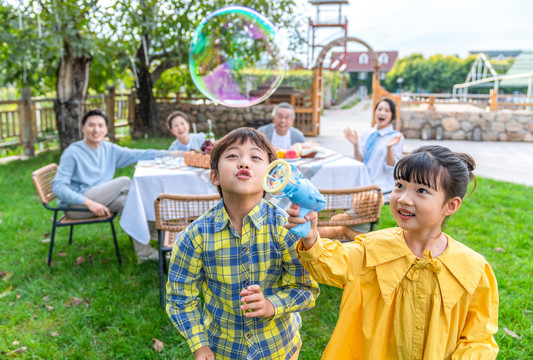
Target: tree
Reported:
[(60, 35), (78, 38), (27, 53), (76, 27), (436, 74), (156, 35)]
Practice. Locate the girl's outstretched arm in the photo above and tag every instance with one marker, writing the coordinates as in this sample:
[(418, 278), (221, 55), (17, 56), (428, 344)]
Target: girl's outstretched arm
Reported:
[(328, 262)]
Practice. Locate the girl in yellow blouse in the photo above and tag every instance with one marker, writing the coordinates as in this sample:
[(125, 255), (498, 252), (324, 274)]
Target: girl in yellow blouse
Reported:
[(410, 292)]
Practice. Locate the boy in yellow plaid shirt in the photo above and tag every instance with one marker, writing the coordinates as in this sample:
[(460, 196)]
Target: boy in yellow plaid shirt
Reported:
[(243, 260)]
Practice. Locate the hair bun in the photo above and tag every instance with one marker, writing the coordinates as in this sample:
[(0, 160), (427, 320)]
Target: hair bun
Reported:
[(469, 160)]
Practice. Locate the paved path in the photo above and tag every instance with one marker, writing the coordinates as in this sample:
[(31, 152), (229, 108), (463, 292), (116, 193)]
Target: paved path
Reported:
[(507, 161)]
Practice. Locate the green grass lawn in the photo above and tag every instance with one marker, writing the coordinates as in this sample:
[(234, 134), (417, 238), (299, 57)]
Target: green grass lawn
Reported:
[(351, 104), (119, 313)]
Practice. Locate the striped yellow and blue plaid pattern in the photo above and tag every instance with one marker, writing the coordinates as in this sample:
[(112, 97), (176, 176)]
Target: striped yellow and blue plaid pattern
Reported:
[(211, 257)]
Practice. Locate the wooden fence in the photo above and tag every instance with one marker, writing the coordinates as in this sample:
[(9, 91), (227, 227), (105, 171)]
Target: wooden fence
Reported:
[(27, 121)]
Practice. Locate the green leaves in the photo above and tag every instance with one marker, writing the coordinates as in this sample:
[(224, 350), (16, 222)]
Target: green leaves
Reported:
[(436, 74), (107, 32)]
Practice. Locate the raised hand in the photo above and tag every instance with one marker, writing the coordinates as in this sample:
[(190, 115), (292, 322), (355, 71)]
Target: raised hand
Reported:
[(255, 304), (394, 141), (351, 136)]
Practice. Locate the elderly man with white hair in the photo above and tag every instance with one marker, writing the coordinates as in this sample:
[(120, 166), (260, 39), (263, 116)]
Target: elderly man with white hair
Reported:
[(281, 132)]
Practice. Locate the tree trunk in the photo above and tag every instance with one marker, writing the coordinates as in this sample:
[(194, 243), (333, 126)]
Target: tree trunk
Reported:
[(71, 88), (148, 122)]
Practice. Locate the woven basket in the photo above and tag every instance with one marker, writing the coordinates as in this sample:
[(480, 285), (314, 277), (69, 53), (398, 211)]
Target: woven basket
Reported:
[(198, 160)]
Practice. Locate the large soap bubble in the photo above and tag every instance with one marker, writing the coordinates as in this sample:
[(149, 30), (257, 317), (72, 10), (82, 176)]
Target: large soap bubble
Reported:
[(234, 59)]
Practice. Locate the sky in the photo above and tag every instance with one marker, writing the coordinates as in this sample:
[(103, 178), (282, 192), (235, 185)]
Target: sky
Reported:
[(452, 27)]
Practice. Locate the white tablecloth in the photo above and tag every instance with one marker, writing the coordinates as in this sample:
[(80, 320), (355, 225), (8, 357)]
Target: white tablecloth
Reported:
[(329, 170)]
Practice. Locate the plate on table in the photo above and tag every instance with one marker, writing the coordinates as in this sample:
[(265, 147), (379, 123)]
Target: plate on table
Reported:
[(291, 159), (320, 155), (311, 155)]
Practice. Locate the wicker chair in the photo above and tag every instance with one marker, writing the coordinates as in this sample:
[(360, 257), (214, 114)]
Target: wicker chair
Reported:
[(42, 179), (173, 213), (347, 207)]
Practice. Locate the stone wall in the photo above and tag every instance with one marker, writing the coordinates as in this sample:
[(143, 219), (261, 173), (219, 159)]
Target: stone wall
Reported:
[(224, 119), (503, 125)]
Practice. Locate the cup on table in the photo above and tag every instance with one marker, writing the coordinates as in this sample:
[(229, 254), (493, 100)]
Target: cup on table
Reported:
[(168, 160), (180, 160), (177, 160), (159, 160)]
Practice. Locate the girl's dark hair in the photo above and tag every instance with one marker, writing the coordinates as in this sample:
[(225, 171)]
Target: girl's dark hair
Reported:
[(392, 106), (94, 112), (174, 115), (427, 164), (240, 136)]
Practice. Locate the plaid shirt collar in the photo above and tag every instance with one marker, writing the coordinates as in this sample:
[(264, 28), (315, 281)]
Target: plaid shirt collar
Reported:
[(256, 215)]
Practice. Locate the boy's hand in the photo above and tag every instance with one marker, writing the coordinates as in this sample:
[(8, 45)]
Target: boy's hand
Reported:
[(204, 353), (294, 220), (254, 300)]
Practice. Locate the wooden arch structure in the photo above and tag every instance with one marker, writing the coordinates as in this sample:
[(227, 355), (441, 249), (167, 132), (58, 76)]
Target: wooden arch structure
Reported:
[(378, 92)]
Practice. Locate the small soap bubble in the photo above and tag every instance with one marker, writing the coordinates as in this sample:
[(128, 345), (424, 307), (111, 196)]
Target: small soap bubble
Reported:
[(234, 59)]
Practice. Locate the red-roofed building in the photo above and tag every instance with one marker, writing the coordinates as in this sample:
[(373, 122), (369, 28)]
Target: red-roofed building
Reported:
[(361, 68)]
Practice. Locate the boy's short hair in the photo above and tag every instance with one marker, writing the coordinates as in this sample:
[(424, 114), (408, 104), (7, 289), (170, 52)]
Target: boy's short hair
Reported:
[(240, 136), (174, 115), (94, 112)]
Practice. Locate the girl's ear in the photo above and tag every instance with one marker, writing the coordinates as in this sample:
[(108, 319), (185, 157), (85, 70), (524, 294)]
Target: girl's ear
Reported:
[(452, 206), (214, 178)]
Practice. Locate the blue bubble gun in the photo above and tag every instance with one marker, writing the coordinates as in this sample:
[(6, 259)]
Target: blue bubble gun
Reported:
[(284, 179)]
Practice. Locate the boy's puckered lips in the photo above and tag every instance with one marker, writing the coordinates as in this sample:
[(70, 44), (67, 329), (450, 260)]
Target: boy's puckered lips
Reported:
[(244, 174)]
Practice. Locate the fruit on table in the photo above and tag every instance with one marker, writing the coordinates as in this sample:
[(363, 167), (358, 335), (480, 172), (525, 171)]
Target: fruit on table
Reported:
[(292, 154), (207, 146), (280, 153)]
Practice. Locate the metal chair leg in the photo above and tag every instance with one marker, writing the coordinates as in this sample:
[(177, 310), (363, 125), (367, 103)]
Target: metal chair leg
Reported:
[(115, 241), (162, 260), (70, 234), (165, 266), (52, 236)]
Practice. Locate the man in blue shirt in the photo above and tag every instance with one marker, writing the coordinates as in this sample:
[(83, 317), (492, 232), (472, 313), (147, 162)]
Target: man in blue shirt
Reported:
[(86, 171)]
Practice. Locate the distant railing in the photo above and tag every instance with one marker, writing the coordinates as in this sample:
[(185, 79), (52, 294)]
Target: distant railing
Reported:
[(431, 100), (494, 101), (41, 114), (45, 116), (9, 122)]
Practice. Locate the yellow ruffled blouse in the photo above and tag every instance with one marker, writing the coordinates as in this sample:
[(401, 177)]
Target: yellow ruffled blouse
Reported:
[(397, 306)]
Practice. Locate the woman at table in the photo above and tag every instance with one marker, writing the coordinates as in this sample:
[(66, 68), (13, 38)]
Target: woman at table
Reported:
[(379, 147), (179, 126)]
